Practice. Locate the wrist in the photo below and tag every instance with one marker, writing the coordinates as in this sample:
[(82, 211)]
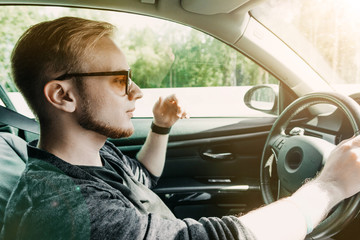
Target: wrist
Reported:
[(160, 130), (314, 200), (330, 188), (310, 223), (318, 191)]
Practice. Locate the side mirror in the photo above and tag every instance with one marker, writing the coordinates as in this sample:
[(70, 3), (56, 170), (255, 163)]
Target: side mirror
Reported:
[(263, 98)]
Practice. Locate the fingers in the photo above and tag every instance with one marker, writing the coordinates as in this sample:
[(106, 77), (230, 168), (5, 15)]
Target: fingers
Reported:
[(342, 167), (175, 103), (354, 141), (158, 103), (346, 141), (183, 115), (354, 145), (172, 98), (168, 110)]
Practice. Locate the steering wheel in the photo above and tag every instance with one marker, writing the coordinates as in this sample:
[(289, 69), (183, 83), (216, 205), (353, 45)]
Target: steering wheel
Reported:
[(299, 157)]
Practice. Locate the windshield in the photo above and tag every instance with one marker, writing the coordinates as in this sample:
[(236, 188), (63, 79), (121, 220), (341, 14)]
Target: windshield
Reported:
[(325, 33)]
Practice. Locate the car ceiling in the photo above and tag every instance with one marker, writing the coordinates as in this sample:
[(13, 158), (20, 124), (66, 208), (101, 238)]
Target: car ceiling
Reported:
[(206, 15)]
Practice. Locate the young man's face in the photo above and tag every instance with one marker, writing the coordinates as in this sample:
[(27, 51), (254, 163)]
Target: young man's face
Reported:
[(104, 107)]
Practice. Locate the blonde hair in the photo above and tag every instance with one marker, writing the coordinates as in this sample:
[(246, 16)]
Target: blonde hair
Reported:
[(53, 47)]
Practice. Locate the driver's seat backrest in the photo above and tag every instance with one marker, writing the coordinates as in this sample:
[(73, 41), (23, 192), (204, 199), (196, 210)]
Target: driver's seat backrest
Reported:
[(13, 157)]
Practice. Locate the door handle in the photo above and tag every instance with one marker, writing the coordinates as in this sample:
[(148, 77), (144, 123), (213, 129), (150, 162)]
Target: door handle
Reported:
[(219, 156)]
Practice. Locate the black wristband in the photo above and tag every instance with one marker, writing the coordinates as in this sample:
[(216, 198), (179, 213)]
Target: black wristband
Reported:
[(159, 130)]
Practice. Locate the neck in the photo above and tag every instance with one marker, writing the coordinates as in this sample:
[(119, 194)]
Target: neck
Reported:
[(74, 145)]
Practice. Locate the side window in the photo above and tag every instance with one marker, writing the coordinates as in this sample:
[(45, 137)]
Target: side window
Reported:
[(209, 77)]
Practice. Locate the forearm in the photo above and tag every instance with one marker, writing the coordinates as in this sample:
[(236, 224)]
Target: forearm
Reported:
[(152, 154), (166, 112), (290, 217)]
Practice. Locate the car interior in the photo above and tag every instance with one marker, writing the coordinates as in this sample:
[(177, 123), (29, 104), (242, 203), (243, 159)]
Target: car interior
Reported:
[(223, 165)]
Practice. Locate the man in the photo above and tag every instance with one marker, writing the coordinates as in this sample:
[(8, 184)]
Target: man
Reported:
[(79, 186)]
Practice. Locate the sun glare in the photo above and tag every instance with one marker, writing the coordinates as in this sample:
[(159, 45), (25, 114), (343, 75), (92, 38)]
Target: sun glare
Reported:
[(353, 6)]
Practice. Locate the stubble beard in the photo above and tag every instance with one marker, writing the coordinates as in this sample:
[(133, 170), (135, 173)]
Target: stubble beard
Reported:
[(88, 121)]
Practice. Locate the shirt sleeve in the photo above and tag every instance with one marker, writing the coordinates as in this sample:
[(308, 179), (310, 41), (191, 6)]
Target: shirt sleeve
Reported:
[(115, 219), (106, 220)]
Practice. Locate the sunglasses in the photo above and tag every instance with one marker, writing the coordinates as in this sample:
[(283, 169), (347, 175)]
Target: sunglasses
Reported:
[(126, 76)]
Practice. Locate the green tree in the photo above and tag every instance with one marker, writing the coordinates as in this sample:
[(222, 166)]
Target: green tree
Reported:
[(175, 56), (13, 22), (149, 58)]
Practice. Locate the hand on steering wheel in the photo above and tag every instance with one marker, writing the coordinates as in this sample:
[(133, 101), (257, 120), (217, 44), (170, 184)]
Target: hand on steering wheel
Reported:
[(299, 157)]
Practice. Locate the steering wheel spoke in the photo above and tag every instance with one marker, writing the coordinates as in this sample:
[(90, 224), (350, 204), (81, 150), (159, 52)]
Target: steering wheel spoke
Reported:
[(277, 142)]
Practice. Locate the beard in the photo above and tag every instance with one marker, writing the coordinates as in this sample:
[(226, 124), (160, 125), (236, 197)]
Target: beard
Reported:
[(87, 120)]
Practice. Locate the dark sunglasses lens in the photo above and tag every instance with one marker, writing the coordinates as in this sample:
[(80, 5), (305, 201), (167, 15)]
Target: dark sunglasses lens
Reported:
[(128, 81)]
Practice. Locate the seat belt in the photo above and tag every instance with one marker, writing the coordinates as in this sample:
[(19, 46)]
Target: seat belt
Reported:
[(17, 120)]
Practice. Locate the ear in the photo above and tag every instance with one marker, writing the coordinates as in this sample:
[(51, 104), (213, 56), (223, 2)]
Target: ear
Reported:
[(60, 94)]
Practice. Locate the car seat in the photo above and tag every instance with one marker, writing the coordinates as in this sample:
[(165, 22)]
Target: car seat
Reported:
[(13, 156)]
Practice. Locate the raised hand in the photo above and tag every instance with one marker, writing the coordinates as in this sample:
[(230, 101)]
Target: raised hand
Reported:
[(167, 111)]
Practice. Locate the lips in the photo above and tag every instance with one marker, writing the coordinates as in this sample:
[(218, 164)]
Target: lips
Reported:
[(131, 112)]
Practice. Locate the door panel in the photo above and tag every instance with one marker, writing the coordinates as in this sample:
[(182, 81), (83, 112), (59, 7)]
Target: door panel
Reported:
[(194, 185), (213, 172)]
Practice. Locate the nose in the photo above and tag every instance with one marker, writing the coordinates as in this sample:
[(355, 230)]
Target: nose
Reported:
[(135, 92)]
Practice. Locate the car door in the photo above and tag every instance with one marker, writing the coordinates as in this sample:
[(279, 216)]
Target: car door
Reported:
[(211, 172), (213, 159)]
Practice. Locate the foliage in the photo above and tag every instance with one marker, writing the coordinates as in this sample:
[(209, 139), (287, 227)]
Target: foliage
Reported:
[(176, 56), (187, 59), (13, 21)]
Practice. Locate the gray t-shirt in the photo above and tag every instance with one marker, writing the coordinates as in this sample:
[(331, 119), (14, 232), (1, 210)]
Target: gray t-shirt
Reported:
[(113, 174), (56, 200)]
